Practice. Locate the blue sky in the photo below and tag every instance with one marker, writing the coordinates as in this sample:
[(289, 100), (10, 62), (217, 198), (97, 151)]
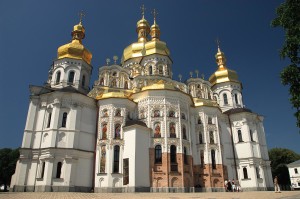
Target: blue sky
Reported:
[(32, 30)]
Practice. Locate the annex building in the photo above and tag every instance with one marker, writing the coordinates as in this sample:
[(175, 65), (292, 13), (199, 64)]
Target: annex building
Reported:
[(138, 129)]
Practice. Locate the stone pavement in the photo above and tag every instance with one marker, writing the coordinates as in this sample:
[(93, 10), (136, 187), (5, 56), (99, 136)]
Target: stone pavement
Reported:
[(206, 195)]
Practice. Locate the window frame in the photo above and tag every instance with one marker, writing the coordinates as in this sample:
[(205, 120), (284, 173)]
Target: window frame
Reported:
[(71, 77), (64, 119), (225, 99), (116, 163), (157, 154), (58, 169)]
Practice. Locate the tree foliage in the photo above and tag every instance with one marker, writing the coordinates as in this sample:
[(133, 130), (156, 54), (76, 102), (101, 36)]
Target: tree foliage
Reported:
[(8, 160), (279, 158), (288, 17)]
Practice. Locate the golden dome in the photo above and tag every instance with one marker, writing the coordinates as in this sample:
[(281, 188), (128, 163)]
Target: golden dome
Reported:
[(144, 47), (223, 74), (75, 49)]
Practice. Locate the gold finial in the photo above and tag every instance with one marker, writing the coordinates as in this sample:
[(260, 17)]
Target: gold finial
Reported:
[(180, 76), (143, 11), (115, 58), (81, 15), (154, 13), (197, 72), (107, 61)]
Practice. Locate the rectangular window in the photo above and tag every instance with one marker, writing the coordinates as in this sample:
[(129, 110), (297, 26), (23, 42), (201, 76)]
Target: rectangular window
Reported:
[(126, 171), (116, 159), (49, 120), (43, 170), (296, 171), (257, 172), (211, 137), (64, 119)]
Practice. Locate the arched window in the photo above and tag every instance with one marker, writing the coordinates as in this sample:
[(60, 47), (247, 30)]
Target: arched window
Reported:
[(171, 114), (83, 81), (184, 133), (158, 158), (199, 120), (156, 113), (49, 120), (236, 98), (64, 119), (118, 113), (225, 98), (213, 159), (118, 131), (114, 74), (200, 138), (157, 130), (116, 159), (245, 173), (251, 136), (240, 136), (71, 77), (160, 70), (102, 82), (150, 70), (199, 94), (211, 137), (185, 155), (172, 130), (58, 169), (296, 171), (173, 154), (183, 116), (126, 85), (105, 113), (104, 131), (113, 83), (57, 81), (209, 121)]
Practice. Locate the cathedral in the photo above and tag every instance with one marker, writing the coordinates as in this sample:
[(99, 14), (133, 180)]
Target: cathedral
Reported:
[(138, 129)]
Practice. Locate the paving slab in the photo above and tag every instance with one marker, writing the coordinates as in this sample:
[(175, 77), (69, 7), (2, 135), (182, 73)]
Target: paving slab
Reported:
[(206, 195)]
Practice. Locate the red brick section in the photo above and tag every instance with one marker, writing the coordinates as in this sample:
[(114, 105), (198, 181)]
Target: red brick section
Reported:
[(187, 175), (207, 177)]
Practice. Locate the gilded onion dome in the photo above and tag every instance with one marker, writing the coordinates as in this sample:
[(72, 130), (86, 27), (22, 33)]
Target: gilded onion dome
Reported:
[(223, 74), (144, 47), (75, 49)]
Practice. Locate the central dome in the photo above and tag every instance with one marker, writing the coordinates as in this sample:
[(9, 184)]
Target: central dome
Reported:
[(143, 47)]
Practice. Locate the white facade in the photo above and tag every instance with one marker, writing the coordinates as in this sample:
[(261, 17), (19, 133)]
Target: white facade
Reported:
[(138, 129), (294, 171)]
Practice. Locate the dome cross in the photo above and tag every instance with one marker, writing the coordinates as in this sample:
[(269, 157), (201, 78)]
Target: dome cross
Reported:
[(143, 11), (81, 15)]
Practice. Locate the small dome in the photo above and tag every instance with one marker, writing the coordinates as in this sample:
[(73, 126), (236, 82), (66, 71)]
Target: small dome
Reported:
[(143, 23), (223, 74), (75, 49)]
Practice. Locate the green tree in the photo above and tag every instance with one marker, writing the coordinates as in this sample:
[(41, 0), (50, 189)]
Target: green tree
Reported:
[(288, 18), (8, 160), (279, 158)]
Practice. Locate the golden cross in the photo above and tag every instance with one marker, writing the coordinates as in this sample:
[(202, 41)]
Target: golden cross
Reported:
[(81, 15), (154, 14), (143, 11)]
